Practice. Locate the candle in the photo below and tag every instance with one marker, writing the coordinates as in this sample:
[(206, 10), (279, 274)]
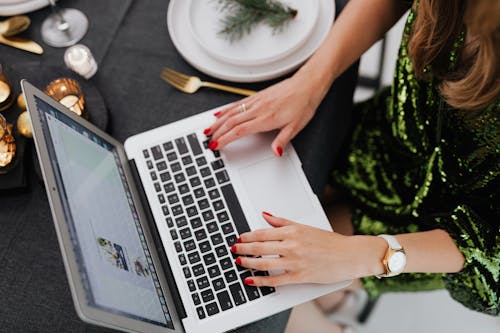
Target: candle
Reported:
[(72, 103), (79, 59)]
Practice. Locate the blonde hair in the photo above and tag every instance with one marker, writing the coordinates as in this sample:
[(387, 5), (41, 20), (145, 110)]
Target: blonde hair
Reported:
[(475, 82)]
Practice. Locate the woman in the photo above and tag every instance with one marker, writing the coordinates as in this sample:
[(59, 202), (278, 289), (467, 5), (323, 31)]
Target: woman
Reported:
[(422, 164)]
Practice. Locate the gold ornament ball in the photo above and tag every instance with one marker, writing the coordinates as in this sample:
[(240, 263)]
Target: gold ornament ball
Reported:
[(24, 125), (21, 102)]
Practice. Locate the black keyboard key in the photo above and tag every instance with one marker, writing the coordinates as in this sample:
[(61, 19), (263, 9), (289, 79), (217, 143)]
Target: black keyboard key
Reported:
[(178, 246), (218, 205), (183, 188), (145, 152), (227, 228), (212, 309), (174, 235), (161, 198), (252, 292), (157, 187), (231, 240), (213, 194), (177, 210), (182, 259), (205, 246), (212, 227), (234, 207), (198, 270), (221, 251), (185, 233), (224, 300), (201, 312), (195, 222), (216, 239), (237, 293), (209, 182), (173, 198), (186, 160), (199, 192), (181, 221), (213, 271), (200, 234), (191, 171), (165, 210), (216, 153), (231, 276), (175, 167), (195, 181), (207, 215), (181, 145), (169, 187), (187, 272), (195, 145), (226, 263), (218, 284), (188, 200), (149, 164), (168, 146), (207, 295), (189, 245), (205, 172), (191, 285), (218, 164), (192, 211), (222, 176), (172, 156), (179, 178), (222, 217), (165, 176), (265, 290), (201, 161), (196, 299), (205, 143), (161, 166), (203, 204), (209, 259), (153, 176), (202, 283), (170, 222), (194, 257), (157, 153)]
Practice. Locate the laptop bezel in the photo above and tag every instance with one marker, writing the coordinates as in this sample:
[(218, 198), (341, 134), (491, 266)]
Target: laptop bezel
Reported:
[(88, 313)]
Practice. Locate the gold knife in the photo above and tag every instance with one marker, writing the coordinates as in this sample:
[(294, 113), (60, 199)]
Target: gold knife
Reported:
[(22, 44)]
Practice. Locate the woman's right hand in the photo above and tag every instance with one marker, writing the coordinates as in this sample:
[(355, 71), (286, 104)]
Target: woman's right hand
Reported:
[(287, 106)]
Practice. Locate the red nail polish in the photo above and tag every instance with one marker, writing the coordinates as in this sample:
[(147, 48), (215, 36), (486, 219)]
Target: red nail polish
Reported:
[(249, 281), (238, 240), (218, 113), (207, 131), (279, 150), (233, 248), (212, 145), (238, 261), (266, 213)]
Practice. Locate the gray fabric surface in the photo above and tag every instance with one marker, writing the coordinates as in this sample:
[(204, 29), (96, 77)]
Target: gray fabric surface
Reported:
[(34, 294)]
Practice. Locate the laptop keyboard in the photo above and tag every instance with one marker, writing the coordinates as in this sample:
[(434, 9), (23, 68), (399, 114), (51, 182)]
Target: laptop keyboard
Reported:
[(205, 218)]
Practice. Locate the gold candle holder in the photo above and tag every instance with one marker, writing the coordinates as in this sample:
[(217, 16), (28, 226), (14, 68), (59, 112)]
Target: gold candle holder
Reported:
[(67, 92), (6, 98)]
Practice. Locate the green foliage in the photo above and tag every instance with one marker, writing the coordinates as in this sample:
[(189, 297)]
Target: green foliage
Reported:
[(244, 15)]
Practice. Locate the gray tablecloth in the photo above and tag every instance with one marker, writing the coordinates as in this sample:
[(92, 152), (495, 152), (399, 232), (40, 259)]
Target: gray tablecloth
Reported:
[(132, 45)]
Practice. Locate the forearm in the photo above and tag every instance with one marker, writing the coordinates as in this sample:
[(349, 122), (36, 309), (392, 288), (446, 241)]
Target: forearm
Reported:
[(360, 25), (430, 252)]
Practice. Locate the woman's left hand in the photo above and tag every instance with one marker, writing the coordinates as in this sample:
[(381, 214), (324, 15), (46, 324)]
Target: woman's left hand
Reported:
[(306, 254)]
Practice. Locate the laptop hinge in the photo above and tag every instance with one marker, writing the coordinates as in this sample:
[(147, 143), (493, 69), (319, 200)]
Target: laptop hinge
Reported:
[(174, 290)]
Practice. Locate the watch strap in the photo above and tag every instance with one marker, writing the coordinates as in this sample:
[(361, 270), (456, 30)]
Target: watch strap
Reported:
[(393, 246), (392, 241)]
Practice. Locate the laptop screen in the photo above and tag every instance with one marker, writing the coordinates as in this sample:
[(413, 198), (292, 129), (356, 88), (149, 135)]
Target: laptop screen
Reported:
[(113, 258)]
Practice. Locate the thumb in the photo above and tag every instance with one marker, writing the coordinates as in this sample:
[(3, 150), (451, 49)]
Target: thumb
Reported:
[(275, 221), (282, 139)]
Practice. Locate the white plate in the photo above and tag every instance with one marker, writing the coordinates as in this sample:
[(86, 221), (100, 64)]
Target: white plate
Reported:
[(262, 45), (16, 7), (193, 53)]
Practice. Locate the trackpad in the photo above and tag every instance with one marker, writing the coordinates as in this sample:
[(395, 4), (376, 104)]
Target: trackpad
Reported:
[(274, 185)]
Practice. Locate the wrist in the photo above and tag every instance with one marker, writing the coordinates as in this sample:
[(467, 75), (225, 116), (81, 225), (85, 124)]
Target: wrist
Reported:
[(370, 252), (316, 82)]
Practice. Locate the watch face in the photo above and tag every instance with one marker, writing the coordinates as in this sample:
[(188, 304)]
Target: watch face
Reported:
[(397, 262)]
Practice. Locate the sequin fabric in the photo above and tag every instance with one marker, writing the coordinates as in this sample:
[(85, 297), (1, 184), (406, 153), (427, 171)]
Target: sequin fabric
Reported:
[(415, 164)]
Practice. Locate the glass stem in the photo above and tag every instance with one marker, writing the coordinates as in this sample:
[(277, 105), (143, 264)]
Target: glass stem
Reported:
[(63, 24)]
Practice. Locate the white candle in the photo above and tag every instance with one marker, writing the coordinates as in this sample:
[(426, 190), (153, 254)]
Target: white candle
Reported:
[(79, 59)]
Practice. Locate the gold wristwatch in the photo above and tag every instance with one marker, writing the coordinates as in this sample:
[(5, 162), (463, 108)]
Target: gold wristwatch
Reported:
[(394, 260)]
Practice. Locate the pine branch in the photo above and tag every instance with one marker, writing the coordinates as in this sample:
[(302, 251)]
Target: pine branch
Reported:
[(244, 15)]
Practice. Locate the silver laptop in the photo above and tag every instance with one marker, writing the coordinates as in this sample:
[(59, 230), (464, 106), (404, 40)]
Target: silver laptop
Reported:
[(145, 228)]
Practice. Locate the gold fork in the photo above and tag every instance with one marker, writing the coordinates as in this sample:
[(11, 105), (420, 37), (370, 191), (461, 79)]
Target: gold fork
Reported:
[(191, 84)]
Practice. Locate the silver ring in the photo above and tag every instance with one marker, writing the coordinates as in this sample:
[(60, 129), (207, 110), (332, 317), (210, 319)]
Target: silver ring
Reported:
[(242, 107)]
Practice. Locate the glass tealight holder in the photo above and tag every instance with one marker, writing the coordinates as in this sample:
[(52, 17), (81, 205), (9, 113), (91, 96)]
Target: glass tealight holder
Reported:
[(67, 92)]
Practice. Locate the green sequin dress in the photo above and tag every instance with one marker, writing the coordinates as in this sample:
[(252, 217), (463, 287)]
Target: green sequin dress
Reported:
[(415, 164)]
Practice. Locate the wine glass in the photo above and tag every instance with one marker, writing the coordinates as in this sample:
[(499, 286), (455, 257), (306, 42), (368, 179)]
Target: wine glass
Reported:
[(64, 27)]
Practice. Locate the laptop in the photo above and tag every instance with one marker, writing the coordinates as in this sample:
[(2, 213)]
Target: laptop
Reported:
[(145, 228)]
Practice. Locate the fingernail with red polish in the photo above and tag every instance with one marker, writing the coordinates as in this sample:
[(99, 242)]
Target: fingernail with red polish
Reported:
[(238, 261), (218, 113), (207, 131), (233, 248), (279, 150), (266, 213), (238, 240), (249, 281), (212, 145)]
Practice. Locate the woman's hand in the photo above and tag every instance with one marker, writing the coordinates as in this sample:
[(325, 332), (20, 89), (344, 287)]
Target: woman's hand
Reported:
[(286, 106), (307, 254)]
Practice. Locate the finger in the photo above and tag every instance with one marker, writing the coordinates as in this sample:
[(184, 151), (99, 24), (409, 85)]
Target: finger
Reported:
[(283, 138), (261, 264), (243, 129), (275, 221), (262, 235), (259, 248), (221, 125), (271, 281), (224, 111)]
